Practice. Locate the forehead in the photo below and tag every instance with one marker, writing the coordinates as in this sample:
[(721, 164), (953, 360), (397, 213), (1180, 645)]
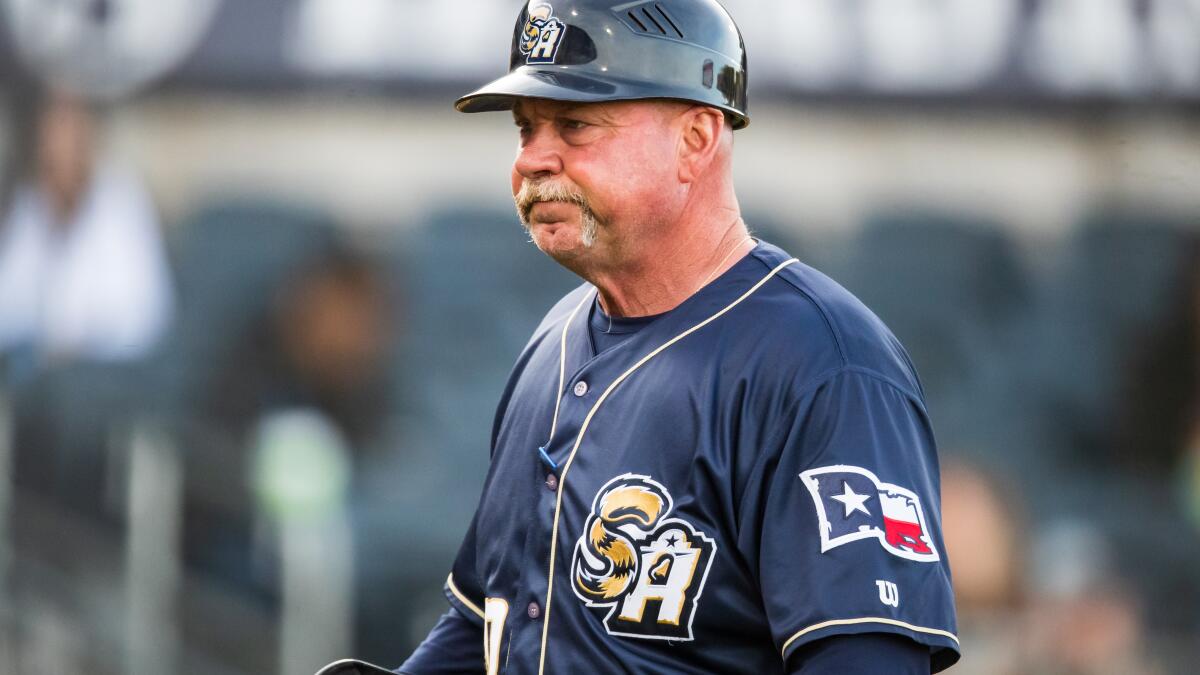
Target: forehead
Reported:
[(534, 108)]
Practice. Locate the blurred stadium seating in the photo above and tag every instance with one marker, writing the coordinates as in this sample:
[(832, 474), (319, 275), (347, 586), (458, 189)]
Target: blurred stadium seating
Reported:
[(1025, 218)]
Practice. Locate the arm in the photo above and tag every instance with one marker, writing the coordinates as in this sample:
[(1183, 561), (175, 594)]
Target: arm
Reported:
[(453, 647)]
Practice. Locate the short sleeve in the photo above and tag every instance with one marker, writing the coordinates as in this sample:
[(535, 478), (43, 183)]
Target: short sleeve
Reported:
[(842, 520), (860, 654)]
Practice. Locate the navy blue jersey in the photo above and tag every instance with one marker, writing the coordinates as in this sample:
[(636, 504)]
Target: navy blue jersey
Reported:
[(747, 473)]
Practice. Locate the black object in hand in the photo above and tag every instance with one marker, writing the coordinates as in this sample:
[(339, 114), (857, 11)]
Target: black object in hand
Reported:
[(353, 667)]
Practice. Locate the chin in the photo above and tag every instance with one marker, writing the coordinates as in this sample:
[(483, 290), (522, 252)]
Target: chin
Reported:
[(558, 239)]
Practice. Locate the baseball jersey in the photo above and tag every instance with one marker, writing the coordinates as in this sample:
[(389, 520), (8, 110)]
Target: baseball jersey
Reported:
[(746, 473)]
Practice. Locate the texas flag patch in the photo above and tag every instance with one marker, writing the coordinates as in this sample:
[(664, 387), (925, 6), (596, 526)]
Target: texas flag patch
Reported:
[(853, 504)]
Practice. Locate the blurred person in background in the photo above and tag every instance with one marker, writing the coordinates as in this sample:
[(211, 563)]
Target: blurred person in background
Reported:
[(1047, 599), (984, 537), (1084, 617), (319, 348), (83, 271), (1153, 454), (85, 294), (1158, 435), (322, 345)]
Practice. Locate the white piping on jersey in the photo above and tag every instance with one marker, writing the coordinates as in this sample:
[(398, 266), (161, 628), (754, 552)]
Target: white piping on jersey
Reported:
[(562, 363), (562, 481), (462, 598), (562, 375), (868, 619)]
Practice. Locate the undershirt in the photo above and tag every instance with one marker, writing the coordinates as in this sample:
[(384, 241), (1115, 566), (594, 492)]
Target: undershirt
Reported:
[(609, 331)]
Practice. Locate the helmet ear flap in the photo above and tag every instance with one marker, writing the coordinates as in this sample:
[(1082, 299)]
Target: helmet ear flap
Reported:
[(590, 50)]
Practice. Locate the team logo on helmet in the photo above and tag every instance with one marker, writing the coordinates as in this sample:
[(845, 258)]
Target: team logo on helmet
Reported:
[(542, 35), (853, 504), (648, 570)]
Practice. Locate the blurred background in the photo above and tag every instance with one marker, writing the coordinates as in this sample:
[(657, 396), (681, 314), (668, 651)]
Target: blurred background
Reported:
[(260, 287)]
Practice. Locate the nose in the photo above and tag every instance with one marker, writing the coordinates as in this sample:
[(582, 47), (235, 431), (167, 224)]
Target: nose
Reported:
[(539, 156)]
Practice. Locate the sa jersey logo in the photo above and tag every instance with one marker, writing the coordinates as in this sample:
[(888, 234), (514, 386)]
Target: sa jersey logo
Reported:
[(648, 570), (542, 35), (853, 504)]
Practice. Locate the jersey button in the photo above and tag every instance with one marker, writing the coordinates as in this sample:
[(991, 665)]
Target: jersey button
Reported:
[(581, 388), (551, 482), (533, 611)]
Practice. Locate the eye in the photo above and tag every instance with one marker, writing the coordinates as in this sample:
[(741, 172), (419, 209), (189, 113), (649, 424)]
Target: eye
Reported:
[(574, 124)]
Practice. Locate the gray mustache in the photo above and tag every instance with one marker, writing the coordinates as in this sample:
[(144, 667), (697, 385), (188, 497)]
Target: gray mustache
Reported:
[(534, 192)]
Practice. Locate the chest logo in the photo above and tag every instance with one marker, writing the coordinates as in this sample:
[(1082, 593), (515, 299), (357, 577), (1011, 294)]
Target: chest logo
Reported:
[(852, 504), (646, 569), (542, 34)]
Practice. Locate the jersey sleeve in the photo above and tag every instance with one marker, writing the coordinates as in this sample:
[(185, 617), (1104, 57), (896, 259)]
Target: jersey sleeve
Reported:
[(844, 523), (860, 654), (463, 588)]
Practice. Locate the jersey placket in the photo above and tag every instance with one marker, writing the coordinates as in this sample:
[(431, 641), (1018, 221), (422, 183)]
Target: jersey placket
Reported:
[(579, 394), (546, 461)]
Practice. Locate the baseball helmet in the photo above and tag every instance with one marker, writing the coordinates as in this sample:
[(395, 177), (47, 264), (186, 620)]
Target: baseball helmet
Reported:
[(603, 50)]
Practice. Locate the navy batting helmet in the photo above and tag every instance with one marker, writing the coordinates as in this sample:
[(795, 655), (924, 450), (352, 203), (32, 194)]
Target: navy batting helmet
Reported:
[(595, 50)]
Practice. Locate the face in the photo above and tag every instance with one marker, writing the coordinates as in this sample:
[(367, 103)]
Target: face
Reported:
[(594, 182), (65, 151), (334, 328)]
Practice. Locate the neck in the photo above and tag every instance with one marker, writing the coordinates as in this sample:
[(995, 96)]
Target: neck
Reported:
[(672, 270)]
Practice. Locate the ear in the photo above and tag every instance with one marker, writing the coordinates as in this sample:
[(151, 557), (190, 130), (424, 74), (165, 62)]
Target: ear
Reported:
[(701, 134)]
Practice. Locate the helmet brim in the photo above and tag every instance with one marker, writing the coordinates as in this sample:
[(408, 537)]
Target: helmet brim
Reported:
[(556, 85)]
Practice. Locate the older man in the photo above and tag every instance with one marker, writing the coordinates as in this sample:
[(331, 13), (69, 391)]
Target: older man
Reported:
[(709, 458)]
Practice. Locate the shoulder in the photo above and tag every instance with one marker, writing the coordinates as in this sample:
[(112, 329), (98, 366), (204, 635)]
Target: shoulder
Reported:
[(810, 320)]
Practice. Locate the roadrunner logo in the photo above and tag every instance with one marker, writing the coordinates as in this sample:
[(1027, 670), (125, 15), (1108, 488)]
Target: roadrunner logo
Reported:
[(542, 35), (647, 569)]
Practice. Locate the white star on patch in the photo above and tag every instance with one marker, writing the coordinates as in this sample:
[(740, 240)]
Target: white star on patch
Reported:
[(852, 501)]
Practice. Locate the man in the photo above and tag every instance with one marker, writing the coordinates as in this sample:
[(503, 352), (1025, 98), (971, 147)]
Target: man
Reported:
[(709, 458)]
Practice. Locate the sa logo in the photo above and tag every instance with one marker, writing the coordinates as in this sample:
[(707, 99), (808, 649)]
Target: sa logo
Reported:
[(542, 35), (647, 569)]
